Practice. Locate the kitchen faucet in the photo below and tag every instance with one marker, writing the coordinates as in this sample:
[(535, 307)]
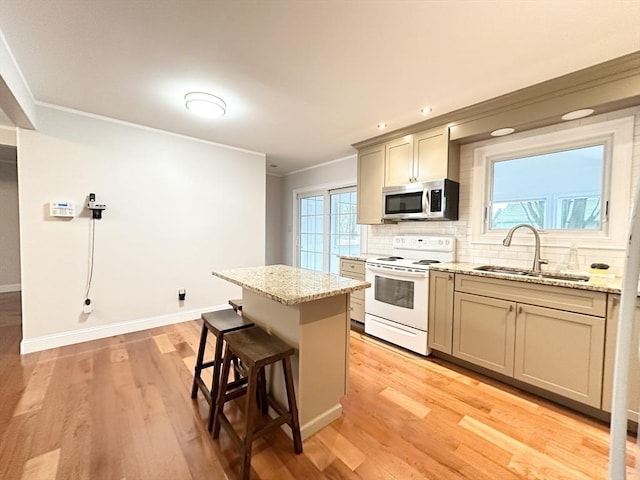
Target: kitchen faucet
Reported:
[(537, 261)]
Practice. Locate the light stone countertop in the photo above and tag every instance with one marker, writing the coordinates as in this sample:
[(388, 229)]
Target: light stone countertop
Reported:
[(595, 283), (290, 285), (363, 257)]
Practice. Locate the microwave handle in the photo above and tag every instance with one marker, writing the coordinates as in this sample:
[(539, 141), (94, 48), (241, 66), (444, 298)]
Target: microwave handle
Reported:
[(425, 200)]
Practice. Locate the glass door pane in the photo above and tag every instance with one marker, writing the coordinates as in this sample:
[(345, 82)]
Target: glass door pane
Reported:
[(312, 232), (344, 233)]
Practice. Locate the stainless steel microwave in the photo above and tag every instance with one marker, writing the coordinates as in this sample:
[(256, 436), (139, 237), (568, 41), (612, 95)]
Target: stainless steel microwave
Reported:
[(435, 200)]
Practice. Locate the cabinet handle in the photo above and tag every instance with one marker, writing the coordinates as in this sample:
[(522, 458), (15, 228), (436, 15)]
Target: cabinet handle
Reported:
[(450, 277), (615, 300), (510, 308), (520, 310)]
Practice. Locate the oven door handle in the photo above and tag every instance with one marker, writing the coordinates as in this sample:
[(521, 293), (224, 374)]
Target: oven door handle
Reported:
[(398, 273)]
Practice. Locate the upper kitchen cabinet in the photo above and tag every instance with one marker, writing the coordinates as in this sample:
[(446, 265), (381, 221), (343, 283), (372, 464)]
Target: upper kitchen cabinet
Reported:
[(398, 163), (420, 157), (434, 157), (370, 183)]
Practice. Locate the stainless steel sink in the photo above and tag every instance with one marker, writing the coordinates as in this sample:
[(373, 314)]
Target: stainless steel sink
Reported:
[(506, 270), (529, 273)]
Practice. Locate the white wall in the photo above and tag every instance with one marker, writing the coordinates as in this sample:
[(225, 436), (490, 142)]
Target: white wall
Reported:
[(177, 208), (9, 227), (379, 236), (340, 172), (273, 220)]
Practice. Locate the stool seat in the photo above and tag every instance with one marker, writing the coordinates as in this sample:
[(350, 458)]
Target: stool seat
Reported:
[(256, 349), (225, 321), (220, 323)]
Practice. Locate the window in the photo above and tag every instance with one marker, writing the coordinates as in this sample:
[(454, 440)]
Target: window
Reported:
[(524, 191), (327, 229), (572, 184)]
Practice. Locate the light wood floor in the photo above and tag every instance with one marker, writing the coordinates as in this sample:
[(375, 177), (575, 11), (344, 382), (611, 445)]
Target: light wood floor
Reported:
[(119, 408)]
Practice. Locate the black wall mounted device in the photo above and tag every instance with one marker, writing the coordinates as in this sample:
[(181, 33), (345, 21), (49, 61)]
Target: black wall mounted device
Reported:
[(96, 208)]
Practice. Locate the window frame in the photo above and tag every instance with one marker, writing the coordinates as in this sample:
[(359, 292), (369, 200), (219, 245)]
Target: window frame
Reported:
[(617, 135)]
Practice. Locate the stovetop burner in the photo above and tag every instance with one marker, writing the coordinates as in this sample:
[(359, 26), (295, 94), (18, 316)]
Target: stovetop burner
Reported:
[(426, 262), (390, 259)]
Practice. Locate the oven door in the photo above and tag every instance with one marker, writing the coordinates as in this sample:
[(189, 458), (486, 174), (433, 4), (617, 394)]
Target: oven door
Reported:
[(398, 295)]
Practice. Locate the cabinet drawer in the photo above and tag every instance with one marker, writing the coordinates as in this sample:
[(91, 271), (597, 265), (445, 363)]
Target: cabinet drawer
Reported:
[(352, 268), (358, 295), (561, 298), (357, 309)]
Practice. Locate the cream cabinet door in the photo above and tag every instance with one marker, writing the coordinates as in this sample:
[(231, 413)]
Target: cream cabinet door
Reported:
[(561, 352), (431, 154), (484, 331), (440, 331), (370, 183), (399, 161), (633, 385)]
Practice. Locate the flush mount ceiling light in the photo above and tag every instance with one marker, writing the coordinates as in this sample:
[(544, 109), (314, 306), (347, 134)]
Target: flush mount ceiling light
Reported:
[(381, 126), (585, 112), (501, 132), (425, 110), (205, 104)]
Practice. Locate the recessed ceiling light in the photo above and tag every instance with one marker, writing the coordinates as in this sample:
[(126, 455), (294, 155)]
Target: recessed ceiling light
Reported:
[(425, 110), (502, 132), (381, 126), (205, 104), (585, 112)]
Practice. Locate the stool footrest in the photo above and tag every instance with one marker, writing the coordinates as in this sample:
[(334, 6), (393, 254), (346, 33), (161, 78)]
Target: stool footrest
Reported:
[(204, 389), (273, 423)]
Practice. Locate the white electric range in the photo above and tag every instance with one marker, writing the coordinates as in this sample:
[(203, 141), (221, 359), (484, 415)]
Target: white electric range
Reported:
[(397, 304)]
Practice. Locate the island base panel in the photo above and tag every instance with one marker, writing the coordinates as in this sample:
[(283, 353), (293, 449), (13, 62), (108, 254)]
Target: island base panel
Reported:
[(319, 331)]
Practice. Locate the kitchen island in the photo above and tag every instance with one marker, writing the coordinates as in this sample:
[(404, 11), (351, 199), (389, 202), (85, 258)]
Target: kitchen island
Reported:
[(310, 311)]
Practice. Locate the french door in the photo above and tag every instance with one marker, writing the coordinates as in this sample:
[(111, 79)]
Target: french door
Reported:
[(327, 229)]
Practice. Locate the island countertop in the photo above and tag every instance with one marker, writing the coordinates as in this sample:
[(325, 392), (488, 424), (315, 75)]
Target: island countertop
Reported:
[(290, 285)]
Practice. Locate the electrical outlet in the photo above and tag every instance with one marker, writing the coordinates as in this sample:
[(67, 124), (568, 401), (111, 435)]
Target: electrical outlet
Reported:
[(182, 293)]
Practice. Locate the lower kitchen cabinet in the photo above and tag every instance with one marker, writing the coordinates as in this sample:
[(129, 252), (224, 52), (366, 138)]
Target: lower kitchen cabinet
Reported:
[(560, 352), (484, 331), (633, 380), (440, 311), (354, 269), (547, 336)]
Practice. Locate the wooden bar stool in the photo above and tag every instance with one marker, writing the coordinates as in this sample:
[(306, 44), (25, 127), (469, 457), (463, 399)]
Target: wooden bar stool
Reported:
[(220, 323), (256, 349)]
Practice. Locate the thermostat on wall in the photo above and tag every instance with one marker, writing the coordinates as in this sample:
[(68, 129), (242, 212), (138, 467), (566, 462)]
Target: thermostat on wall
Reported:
[(62, 209)]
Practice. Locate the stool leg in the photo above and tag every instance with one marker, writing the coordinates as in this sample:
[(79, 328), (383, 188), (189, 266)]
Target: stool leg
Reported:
[(250, 414), (198, 366), (293, 407), (222, 390), (262, 391), (215, 384)]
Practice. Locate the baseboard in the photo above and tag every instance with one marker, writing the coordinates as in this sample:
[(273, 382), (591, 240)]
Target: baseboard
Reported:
[(45, 342), (12, 287), (315, 424)]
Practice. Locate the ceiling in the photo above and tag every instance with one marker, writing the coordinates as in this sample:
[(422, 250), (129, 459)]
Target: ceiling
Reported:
[(303, 80)]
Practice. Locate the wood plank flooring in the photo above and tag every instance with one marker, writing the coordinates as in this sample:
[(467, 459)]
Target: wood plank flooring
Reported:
[(120, 408)]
